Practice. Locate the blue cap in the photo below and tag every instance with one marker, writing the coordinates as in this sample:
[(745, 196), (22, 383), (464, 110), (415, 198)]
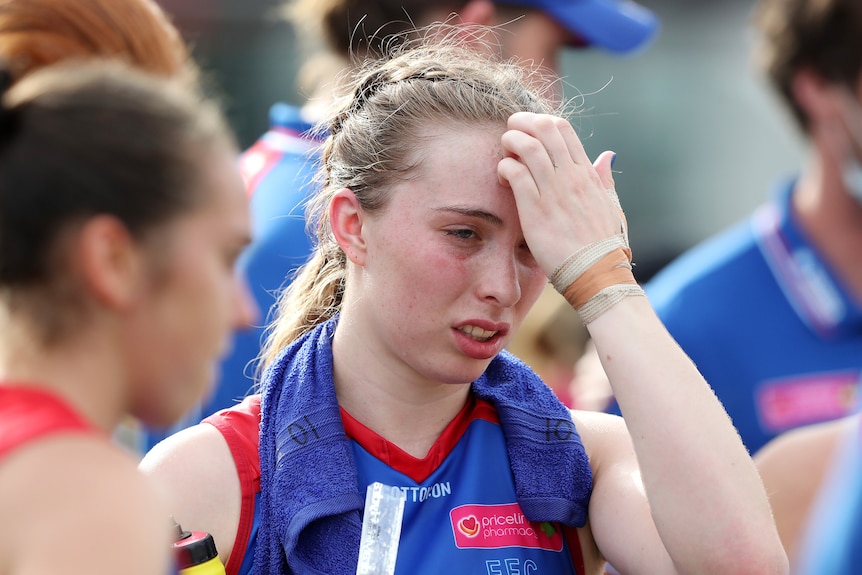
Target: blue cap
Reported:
[(619, 26)]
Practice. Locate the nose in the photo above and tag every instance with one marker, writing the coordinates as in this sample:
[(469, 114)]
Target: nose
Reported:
[(500, 280), (246, 312)]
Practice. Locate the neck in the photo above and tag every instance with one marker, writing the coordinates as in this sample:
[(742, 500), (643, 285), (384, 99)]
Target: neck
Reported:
[(80, 371), (832, 219), (390, 399)]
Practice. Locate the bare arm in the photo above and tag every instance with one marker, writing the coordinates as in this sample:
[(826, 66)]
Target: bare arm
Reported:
[(706, 501), (589, 387), (197, 473), (618, 486), (77, 506)]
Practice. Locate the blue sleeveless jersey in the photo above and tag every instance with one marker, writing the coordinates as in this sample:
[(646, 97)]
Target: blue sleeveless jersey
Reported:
[(461, 512), (465, 513)]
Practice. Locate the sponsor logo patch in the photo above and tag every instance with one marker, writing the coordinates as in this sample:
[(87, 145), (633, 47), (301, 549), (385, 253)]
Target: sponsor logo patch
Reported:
[(783, 404), (497, 526)]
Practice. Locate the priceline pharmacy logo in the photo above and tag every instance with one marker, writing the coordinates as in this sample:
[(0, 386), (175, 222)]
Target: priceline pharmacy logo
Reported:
[(496, 526)]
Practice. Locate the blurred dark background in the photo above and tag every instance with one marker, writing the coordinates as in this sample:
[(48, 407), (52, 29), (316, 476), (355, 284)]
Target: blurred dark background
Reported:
[(700, 138)]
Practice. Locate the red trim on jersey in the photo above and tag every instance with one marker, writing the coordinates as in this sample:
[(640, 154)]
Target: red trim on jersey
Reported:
[(240, 427), (256, 162), (419, 469), (30, 413), (571, 535)]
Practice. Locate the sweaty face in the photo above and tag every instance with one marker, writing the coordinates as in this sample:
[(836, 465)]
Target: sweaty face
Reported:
[(185, 320), (448, 277)]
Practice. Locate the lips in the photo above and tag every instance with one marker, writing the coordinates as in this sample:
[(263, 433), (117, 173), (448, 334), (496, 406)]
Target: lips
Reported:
[(480, 339), (477, 333)]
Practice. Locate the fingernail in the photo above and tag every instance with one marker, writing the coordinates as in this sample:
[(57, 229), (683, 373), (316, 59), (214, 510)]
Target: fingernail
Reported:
[(613, 159)]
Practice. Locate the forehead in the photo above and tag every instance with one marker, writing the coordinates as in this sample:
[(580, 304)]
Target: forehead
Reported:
[(460, 159), (456, 172)]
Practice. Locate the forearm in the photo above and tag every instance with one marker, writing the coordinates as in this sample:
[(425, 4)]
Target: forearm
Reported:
[(707, 500)]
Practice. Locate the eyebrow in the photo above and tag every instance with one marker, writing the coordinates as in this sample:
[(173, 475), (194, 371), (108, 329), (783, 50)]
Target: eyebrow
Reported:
[(473, 213)]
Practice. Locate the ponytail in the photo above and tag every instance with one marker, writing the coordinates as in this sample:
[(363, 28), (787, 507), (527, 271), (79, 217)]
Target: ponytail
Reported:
[(313, 297)]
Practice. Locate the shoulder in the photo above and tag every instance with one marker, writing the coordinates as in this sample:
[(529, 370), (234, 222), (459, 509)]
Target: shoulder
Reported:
[(197, 453), (606, 439), (198, 474), (190, 446), (617, 481), (619, 511), (73, 490)]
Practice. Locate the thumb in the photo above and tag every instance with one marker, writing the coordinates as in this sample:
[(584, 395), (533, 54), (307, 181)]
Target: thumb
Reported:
[(603, 165)]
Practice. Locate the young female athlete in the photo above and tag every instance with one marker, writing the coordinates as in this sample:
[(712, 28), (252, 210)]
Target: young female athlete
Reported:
[(450, 192), (121, 215)]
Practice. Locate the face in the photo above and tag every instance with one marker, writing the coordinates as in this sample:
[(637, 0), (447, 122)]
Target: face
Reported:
[(447, 277), (186, 318), (851, 117)]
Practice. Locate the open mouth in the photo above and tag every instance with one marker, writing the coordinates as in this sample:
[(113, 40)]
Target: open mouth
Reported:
[(477, 333)]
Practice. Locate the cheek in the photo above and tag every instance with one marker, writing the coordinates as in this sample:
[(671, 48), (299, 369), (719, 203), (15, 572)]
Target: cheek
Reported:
[(424, 261), (200, 309), (533, 281), (445, 272)]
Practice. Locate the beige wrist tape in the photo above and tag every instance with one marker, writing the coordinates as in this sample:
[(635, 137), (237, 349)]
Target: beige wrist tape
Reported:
[(596, 277)]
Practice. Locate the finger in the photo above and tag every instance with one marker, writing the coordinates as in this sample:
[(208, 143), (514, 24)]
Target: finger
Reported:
[(556, 133), (603, 165), (546, 130), (514, 174), (533, 154), (573, 143)]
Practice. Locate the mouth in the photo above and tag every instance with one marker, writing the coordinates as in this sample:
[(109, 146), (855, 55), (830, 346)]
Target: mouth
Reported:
[(476, 333)]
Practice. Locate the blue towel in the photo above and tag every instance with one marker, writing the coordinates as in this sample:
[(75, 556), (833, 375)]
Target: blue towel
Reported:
[(310, 505), (553, 478)]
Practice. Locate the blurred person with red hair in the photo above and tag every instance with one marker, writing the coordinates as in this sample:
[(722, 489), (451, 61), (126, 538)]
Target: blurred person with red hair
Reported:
[(121, 215), (35, 33)]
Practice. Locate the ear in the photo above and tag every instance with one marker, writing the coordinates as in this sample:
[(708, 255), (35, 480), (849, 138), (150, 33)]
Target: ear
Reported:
[(346, 219), (813, 95), (110, 261)]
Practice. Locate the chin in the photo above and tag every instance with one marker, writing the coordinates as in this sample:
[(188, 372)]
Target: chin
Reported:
[(159, 417), (464, 376)]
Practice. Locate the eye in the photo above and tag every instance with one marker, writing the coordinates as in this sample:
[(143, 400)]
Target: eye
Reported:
[(462, 233)]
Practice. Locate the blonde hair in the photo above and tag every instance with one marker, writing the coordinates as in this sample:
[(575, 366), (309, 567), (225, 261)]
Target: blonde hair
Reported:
[(441, 78)]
